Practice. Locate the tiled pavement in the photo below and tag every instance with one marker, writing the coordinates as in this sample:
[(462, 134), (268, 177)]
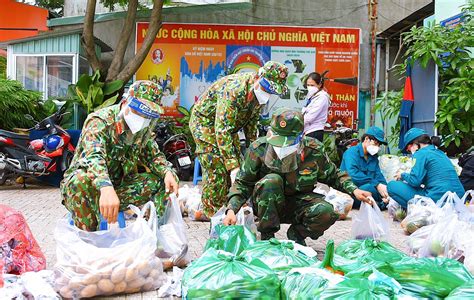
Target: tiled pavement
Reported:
[(42, 207)]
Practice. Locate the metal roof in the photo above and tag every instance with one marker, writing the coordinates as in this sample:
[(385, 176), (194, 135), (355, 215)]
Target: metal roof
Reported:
[(180, 9), (409, 21), (55, 33)]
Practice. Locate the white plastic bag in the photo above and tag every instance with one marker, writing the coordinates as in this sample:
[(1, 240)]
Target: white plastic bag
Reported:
[(416, 240), (38, 286), (446, 238), (391, 165), (421, 211), (172, 286), (395, 210), (119, 260), (369, 223), (171, 234), (341, 202), (244, 217)]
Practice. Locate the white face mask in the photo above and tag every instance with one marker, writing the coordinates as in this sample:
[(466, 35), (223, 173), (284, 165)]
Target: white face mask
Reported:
[(135, 122), (311, 91), (262, 96), (372, 149), (283, 152)]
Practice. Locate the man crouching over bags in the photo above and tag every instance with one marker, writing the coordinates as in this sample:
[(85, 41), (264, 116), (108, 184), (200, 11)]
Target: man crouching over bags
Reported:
[(279, 173), (103, 177)]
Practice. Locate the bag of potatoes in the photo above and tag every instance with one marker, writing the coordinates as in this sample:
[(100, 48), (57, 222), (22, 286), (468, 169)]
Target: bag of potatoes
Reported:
[(119, 260)]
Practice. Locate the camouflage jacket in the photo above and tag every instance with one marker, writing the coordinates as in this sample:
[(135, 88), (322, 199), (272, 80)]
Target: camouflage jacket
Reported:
[(313, 166), (227, 106), (106, 157)]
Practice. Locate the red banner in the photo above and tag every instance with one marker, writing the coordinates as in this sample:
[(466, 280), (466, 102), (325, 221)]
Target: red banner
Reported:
[(186, 58)]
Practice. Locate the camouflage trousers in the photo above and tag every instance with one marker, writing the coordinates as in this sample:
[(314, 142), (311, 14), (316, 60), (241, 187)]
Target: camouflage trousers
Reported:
[(216, 182), (308, 214), (81, 198)]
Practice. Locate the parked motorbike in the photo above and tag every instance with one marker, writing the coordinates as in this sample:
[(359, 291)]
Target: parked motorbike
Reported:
[(20, 156), (345, 138), (176, 150)]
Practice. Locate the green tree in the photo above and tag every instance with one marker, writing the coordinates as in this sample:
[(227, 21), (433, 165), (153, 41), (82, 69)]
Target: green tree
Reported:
[(118, 70), (53, 5), (451, 50)]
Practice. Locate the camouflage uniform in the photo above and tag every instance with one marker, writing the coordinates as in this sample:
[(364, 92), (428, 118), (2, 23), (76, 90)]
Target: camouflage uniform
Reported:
[(228, 106), (288, 197), (104, 158)]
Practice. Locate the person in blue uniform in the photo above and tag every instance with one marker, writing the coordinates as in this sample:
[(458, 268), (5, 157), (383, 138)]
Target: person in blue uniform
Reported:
[(362, 164), (432, 175)]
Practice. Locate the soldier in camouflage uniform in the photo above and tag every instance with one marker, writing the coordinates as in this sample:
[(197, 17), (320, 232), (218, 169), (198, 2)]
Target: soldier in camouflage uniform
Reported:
[(230, 104), (279, 174), (103, 177)]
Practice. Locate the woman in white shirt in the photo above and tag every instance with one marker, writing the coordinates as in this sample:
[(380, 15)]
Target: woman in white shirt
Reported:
[(316, 109)]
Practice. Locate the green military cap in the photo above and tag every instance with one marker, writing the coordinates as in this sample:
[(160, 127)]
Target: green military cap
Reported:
[(286, 127), (149, 93), (275, 74)]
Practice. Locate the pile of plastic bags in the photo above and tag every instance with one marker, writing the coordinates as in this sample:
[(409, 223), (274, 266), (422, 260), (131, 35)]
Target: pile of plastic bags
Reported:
[(444, 229), (29, 285), (357, 269)]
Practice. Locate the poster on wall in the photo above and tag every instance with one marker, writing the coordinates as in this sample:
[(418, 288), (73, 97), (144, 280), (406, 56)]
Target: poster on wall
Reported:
[(187, 58)]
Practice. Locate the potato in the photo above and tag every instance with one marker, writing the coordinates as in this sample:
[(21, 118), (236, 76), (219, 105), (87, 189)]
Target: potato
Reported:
[(89, 291), (91, 279), (118, 274), (105, 285), (76, 283), (149, 282), (155, 274), (144, 268), (131, 275), (134, 290), (120, 287), (139, 282), (65, 292), (81, 270)]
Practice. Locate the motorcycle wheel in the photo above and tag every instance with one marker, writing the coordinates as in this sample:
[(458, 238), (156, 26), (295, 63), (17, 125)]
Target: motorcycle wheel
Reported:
[(3, 177), (67, 160)]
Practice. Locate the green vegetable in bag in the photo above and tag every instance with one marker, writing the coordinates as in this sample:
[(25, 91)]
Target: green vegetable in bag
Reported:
[(278, 256), (427, 277), (335, 263), (307, 283), (465, 291), (221, 275), (357, 288), (233, 239)]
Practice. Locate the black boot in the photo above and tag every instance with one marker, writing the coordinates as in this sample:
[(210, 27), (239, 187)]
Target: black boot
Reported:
[(294, 235), (266, 235)]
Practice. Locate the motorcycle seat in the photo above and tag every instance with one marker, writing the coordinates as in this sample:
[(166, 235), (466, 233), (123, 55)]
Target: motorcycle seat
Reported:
[(22, 139)]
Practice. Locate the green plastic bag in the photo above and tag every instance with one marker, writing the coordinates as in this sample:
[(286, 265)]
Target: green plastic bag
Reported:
[(233, 239), (221, 275), (357, 288), (369, 250), (307, 283), (278, 256), (337, 264), (465, 291), (427, 277)]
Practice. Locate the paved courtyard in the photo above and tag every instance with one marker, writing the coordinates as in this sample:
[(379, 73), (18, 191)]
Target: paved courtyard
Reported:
[(41, 206)]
